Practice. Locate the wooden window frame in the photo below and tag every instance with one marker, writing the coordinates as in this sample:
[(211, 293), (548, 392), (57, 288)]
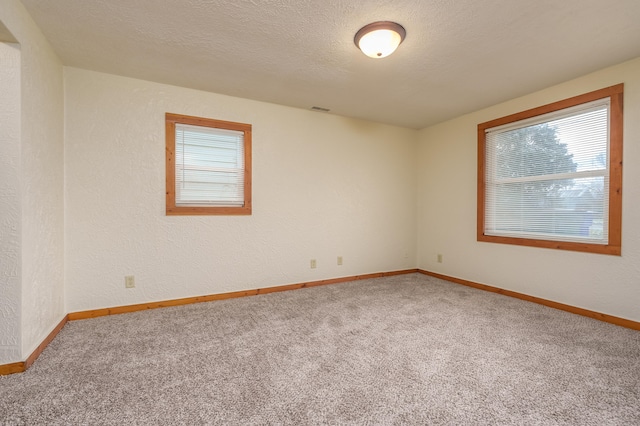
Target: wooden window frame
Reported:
[(170, 133), (614, 246)]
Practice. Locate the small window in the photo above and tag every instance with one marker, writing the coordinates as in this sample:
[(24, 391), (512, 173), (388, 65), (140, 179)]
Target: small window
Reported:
[(208, 166), (552, 176)]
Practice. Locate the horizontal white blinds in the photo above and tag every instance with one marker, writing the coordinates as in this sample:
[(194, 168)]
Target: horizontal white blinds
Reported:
[(548, 178), (209, 166)]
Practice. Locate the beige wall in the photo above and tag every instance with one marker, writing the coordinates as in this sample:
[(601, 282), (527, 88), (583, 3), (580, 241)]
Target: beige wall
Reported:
[(323, 186), (447, 211), (10, 206), (40, 185)]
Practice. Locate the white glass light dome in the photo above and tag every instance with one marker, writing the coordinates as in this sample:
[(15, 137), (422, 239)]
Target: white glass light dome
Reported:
[(379, 39)]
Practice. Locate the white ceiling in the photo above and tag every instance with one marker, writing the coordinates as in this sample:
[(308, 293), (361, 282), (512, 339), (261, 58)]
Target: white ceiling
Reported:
[(458, 56)]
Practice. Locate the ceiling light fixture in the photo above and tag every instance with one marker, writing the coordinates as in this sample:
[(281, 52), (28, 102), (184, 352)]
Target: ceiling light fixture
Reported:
[(379, 39)]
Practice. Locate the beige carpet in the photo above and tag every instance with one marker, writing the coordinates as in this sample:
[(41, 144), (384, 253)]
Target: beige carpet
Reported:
[(409, 349)]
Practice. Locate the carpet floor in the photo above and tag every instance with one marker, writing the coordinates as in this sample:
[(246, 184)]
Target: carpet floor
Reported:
[(408, 349)]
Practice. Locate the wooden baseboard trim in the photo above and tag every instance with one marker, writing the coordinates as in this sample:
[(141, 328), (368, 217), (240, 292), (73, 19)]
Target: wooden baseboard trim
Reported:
[(221, 296), (623, 322), (21, 367), (15, 367), (45, 342)]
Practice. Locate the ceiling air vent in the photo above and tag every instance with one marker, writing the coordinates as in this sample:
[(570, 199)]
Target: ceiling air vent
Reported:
[(317, 108)]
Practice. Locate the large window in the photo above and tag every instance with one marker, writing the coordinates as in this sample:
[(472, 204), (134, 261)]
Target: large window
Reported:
[(208, 166), (552, 176)]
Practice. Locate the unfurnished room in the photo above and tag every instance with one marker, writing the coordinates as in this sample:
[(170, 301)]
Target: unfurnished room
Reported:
[(306, 213)]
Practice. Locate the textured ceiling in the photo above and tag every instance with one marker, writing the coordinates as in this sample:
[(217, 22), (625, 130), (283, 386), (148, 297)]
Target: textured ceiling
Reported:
[(458, 56)]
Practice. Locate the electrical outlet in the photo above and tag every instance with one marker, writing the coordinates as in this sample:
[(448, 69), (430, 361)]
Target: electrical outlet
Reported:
[(313, 263), (339, 260), (129, 281), (439, 258)]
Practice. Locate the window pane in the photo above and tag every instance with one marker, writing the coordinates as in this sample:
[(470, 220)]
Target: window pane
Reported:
[(570, 213), (549, 179), (586, 137), (531, 151), (209, 166)]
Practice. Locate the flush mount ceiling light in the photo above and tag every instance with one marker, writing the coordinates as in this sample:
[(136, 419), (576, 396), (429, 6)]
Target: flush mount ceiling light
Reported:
[(379, 39)]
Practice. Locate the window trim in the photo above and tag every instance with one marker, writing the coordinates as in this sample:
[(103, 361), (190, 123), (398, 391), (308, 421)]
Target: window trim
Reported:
[(614, 246), (170, 134)]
